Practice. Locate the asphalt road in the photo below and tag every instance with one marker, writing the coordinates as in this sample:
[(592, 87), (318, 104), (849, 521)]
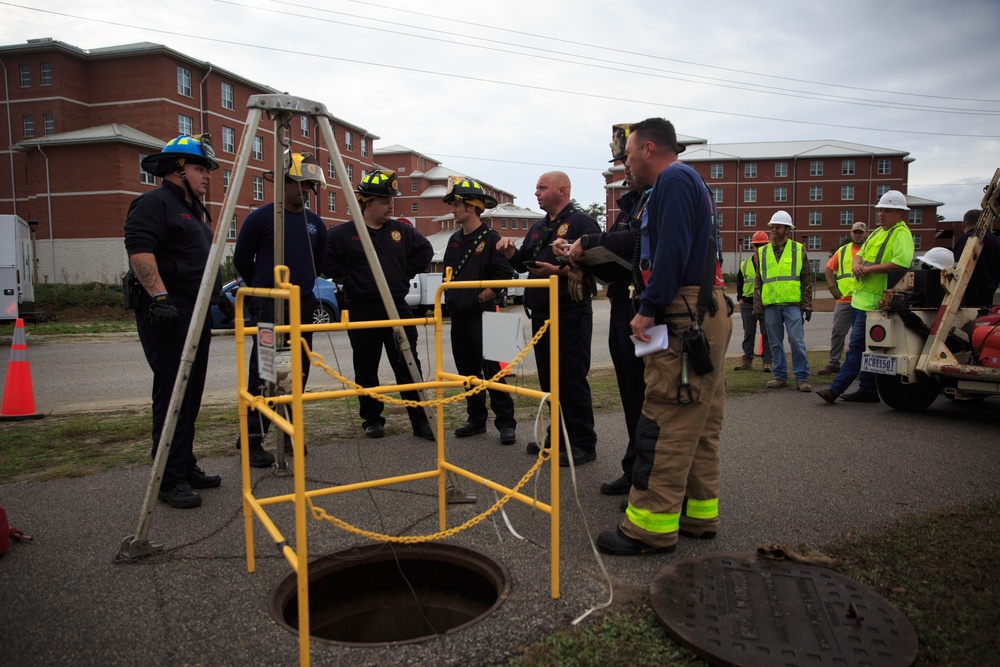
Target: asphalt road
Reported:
[(73, 373)]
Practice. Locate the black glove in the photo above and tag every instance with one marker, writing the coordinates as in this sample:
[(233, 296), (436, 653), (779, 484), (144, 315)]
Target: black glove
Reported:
[(162, 313), (807, 315), (226, 307)]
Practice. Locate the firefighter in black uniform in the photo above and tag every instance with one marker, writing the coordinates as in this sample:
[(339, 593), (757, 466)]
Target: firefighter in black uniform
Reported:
[(403, 252), (576, 316), (168, 244), (472, 255)]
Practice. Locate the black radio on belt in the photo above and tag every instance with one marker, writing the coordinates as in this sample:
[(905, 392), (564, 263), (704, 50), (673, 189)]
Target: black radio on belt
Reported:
[(131, 288), (699, 352)]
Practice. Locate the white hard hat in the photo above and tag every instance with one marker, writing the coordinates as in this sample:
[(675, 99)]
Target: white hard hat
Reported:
[(893, 199), (781, 218), (939, 258)]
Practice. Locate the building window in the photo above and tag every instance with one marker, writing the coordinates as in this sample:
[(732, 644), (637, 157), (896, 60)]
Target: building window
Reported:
[(304, 125), (331, 202), (815, 218), (364, 147), (750, 170), (746, 242), (29, 125), (884, 167), (813, 242), (145, 178), (227, 177), (717, 195), (49, 123), (348, 140), (503, 223), (846, 193), (846, 218), (258, 148), (413, 207), (413, 186), (847, 168), (716, 171), (227, 96), (184, 81), (749, 219), (815, 193), (350, 174), (916, 241), (816, 168), (258, 188), (524, 224), (25, 76), (749, 195), (881, 190), (914, 217), (781, 169), (781, 194), (231, 234), (185, 124), (46, 71), (330, 172), (228, 139)]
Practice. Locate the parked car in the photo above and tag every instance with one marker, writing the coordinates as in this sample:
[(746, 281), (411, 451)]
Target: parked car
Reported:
[(327, 307)]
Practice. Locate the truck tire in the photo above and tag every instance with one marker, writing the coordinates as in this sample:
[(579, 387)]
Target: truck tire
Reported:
[(914, 397)]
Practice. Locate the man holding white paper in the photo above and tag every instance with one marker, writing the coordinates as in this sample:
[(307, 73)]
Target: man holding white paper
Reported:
[(675, 480)]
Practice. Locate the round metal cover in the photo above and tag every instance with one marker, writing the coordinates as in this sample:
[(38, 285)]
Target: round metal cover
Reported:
[(741, 610)]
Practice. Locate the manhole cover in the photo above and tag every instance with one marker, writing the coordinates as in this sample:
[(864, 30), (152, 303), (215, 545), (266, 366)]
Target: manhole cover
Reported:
[(741, 610), (382, 594)]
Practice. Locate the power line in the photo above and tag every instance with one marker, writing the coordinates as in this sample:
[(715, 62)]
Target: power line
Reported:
[(298, 53)]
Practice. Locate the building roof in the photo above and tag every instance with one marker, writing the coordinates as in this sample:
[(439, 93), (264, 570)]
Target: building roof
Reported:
[(912, 201), (146, 48), (94, 135), (770, 150)]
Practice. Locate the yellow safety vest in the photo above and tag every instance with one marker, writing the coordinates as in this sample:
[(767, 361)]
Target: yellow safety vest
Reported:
[(845, 279), (749, 275), (780, 278)]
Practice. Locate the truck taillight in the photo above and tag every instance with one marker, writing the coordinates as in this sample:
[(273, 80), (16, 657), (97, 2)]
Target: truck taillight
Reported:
[(877, 333)]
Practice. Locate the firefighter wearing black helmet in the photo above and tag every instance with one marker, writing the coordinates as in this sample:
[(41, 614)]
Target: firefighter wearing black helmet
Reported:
[(168, 243), (472, 255), (403, 252)]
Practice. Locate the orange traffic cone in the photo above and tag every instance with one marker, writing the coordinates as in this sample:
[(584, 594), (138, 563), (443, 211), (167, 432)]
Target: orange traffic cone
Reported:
[(18, 396)]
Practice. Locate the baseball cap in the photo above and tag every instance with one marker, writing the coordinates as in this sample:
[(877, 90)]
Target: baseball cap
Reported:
[(859, 226)]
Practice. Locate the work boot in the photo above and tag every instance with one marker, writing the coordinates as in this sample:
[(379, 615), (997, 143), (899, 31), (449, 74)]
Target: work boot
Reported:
[(860, 397), (617, 543), (768, 368), (468, 428), (777, 384), (579, 458), (803, 386), (827, 395), (260, 457), (619, 487), (744, 365), (508, 436), (180, 496), (424, 431), (197, 479), (374, 431), (828, 370)]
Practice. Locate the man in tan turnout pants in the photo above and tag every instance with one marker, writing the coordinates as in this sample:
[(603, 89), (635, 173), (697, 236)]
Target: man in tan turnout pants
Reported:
[(675, 480)]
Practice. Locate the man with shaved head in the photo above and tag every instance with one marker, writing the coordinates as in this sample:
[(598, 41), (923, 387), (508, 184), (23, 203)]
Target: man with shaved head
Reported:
[(576, 317)]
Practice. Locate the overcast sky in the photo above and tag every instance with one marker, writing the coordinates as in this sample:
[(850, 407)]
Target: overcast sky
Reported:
[(506, 90)]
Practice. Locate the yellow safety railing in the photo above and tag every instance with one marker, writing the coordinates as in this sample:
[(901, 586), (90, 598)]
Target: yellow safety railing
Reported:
[(303, 499)]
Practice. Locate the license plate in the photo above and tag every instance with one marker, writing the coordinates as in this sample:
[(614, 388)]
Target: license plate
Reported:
[(883, 364)]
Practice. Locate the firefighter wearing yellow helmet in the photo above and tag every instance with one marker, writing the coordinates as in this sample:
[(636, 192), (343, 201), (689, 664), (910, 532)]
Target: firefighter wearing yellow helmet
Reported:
[(168, 244), (305, 238), (403, 252), (472, 255)]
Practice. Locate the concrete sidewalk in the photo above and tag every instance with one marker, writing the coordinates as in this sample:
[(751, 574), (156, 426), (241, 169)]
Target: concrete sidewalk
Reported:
[(794, 470)]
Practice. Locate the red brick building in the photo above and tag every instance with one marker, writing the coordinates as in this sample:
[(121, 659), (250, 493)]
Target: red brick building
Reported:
[(79, 122), (423, 182), (826, 186)]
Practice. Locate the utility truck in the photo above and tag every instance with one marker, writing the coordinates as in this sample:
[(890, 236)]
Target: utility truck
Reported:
[(17, 291), (922, 342)]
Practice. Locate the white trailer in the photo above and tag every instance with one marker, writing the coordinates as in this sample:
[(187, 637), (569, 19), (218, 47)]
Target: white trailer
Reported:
[(423, 286), (17, 291)]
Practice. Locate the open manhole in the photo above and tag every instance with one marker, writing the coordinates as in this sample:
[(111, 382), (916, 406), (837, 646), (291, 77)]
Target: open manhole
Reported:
[(383, 594)]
